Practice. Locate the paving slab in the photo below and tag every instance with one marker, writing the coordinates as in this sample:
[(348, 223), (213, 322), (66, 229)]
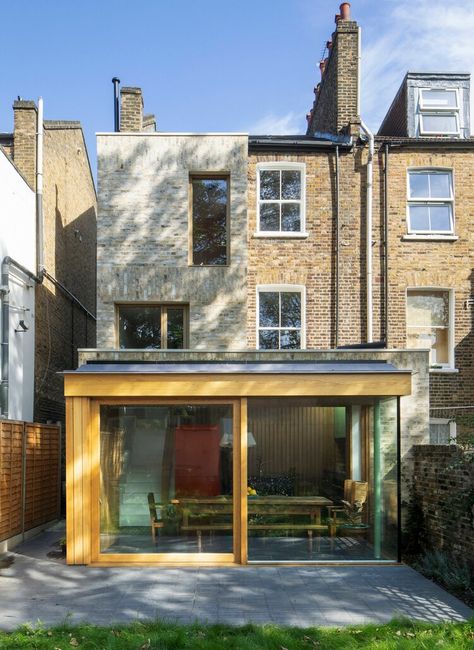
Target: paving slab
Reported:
[(39, 588)]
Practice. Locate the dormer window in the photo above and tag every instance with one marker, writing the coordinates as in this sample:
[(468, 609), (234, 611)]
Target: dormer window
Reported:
[(439, 111)]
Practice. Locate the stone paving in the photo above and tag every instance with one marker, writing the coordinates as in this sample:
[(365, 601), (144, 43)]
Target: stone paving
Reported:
[(40, 588)]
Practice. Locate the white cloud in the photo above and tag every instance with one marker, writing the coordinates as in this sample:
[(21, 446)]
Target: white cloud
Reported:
[(271, 124), (421, 36)]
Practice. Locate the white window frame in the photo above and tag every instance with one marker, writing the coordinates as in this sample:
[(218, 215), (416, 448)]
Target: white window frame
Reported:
[(282, 166), (282, 288), (451, 312), (431, 202), (452, 429), (438, 110)]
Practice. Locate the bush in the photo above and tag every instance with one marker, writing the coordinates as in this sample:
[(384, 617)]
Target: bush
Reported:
[(454, 574)]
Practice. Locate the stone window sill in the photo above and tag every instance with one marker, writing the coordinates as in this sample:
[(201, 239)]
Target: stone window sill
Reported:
[(444, 371), (430, 238), (280, 235)]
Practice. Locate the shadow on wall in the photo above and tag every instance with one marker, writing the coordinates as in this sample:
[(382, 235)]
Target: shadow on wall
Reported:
[(143, 238)]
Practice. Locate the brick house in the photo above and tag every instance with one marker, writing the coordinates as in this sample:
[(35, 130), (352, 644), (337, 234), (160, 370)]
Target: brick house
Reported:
[(61, 269), (272, 334)]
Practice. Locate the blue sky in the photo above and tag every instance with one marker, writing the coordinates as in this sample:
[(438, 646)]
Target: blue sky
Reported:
[(208, 65)]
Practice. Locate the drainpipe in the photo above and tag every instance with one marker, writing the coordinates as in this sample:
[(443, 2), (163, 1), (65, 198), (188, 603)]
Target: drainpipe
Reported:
[(336, 274), (385, 239), (368, 221), (39, 191)]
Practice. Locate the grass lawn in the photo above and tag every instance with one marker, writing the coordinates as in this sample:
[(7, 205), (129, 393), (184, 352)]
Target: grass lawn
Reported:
[(163, 636)]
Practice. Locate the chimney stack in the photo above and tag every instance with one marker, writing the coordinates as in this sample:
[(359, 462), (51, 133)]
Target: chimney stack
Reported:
[(25, 119), (335, 106), (131, 109)]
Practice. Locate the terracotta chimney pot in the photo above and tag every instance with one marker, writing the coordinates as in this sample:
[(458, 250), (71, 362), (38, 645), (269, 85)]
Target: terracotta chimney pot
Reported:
[(345, 10)]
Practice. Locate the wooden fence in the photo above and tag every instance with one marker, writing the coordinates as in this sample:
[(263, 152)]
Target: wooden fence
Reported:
[(30, 484)]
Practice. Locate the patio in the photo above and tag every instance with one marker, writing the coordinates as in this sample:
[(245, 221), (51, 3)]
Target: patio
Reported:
[(40, 587)]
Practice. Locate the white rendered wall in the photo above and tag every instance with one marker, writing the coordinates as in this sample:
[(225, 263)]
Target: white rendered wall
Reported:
[(18, 240)]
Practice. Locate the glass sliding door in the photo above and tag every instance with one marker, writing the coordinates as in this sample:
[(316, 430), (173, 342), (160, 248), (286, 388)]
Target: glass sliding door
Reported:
[(322, 480), (166, 478)]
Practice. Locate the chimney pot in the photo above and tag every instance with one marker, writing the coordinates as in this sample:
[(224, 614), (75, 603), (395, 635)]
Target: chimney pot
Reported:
[(329, 44), (345, 10)]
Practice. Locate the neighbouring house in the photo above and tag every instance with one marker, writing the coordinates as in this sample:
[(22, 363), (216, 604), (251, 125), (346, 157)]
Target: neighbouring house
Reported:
[(271, 336), (48, 305)]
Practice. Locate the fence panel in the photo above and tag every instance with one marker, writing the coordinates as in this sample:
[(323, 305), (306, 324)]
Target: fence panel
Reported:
[(29, 476)]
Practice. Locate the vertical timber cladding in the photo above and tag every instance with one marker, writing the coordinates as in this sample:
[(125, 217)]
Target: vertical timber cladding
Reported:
[(78, 480)]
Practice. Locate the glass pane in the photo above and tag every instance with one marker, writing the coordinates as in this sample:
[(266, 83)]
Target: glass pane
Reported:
[(268, 340), (300, 455), (419, 185), (270, 184), (166, 479), (438, 97), (290, 217), (270, 217), (427, 309), (440, 433), (139, 327), (209, 221), (268, 309), (440, 218), (435, 339), (440, 186), (175, 328), (290, 339), (290, 309), (441, 123), (419, 217), (290, 184)]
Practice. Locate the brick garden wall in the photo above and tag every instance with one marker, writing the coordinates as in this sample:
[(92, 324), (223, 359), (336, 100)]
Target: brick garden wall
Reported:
[(443, 481)]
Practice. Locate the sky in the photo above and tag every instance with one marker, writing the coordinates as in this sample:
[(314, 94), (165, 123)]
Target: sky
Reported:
[(207, 65)]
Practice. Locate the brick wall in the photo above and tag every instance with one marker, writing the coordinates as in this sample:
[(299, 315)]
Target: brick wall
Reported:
[(443, 482), (144, 235), (443, 264), (70, 256)]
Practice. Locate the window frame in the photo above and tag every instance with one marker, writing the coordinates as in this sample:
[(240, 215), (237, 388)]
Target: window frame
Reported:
[(451, 314), (164, 321), (450, 201), (282, 166), (438, 110), (281, 288), (211, 175), (452, 430)]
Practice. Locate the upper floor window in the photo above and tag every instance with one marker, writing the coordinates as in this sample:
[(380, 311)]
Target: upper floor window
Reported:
[(430, 202), (280, 317), (209, 220), (281, 198), (439, 111), (153, 327), (430, 324)]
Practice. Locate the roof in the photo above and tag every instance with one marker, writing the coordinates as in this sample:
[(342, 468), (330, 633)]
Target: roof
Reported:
[(292, 142), (217, 368)]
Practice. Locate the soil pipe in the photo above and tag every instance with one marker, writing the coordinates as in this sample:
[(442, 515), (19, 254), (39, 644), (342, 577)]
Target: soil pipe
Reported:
[(336, 270), (385, 240)]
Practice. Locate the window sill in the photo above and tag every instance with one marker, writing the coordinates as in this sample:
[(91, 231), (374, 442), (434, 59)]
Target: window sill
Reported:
[(280, 235), (430, 238), (444, 371)]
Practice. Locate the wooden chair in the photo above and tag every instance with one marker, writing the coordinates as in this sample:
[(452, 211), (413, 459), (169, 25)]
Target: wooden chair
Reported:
[(155, 522), (355, 494)]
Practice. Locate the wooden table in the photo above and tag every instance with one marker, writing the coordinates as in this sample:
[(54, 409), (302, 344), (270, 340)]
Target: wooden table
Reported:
[(209, 508)]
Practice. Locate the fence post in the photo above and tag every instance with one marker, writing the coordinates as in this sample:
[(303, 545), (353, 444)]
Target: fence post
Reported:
[(23, 481)]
